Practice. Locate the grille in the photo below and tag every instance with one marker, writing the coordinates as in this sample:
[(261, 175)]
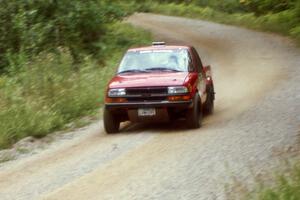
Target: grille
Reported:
[(147, 91), (147, 94), (145, 99)]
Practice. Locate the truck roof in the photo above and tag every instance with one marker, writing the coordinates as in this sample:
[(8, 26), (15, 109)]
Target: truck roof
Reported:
[(158, 47)]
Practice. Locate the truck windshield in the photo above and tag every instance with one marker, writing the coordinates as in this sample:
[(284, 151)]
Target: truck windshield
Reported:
[(155, 60)]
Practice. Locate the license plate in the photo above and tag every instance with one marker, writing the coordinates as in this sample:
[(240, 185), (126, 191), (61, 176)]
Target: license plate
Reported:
[(146, 112)]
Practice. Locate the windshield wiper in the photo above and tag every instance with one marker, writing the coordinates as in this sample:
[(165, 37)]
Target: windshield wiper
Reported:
[(162, 69), (132, 71)]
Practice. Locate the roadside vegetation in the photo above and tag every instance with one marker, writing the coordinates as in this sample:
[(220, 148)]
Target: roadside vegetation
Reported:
[(283, 185), (55, 60), (286, 187), (280, 16), (56, 57)]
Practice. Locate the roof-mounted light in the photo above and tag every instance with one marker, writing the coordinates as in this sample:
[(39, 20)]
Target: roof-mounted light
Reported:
[(158, 43)]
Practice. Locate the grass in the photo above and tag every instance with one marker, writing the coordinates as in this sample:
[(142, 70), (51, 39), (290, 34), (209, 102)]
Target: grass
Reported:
[(6, 158), (286, 188), (282, 186), (51, 91), (285, 22)]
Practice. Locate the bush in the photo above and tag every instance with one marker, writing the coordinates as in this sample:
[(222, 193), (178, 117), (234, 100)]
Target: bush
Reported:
[(295, 32), (34, 26), (47, 91), (40, 99)]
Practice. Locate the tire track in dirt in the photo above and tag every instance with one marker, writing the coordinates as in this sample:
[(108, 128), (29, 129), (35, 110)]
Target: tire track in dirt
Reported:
[(166, 161)]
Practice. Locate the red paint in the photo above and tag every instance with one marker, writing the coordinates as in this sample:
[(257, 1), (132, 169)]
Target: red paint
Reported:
[(149, 79), (192, 80)]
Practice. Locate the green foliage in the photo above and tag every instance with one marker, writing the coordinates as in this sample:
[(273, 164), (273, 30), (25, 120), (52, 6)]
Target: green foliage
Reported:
[(40, 99), (285, 22), (121, 37), (284, 185), (56, 56), (229, 6), (48, 92), (33, 26), (258, 7), (261, 7), (287, 187), (295, 32), (55, 60)]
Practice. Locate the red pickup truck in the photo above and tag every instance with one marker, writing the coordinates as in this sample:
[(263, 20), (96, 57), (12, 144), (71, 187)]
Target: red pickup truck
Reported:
[(159, 83)]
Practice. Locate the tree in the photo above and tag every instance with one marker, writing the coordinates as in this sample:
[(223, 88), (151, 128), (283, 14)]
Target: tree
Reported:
[(32, 26)]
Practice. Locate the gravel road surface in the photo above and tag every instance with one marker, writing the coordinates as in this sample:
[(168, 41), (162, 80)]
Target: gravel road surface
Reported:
[(255, 126)]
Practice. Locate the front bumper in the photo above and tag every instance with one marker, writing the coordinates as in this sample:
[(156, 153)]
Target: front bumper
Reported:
[(161, 104)]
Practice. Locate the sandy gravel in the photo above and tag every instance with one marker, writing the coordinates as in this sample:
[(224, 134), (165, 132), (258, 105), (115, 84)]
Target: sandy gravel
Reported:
[(255, 126)]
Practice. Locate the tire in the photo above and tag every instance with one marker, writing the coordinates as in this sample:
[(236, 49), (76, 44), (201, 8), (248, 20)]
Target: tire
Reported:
[(209, 103), (111, 123), (194, 114)]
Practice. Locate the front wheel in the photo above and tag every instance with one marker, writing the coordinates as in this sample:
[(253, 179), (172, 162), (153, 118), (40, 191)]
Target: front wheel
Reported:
[(111, 123), (194, 114)]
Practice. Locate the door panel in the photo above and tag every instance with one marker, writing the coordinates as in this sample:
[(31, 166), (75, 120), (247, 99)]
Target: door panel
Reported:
[(201, 76)]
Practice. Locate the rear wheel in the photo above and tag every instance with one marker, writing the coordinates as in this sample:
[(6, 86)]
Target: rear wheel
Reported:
[(111, 123), (194, 114), (209, 103)]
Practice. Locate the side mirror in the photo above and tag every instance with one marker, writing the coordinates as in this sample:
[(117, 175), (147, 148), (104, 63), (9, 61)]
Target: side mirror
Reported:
[(207, 70), (208, 74)]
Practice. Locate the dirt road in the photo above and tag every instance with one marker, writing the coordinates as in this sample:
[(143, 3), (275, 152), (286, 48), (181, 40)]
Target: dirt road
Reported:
[(256, 122)]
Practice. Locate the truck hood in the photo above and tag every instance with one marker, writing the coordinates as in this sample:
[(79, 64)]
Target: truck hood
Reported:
[(148, 79)]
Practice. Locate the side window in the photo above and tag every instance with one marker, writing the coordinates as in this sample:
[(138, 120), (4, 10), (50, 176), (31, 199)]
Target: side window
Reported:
[(191, 63), (197, 60), (191, 67)]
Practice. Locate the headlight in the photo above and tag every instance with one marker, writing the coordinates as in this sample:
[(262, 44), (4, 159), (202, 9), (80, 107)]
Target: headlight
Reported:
[(117, 92), (178, 90)]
